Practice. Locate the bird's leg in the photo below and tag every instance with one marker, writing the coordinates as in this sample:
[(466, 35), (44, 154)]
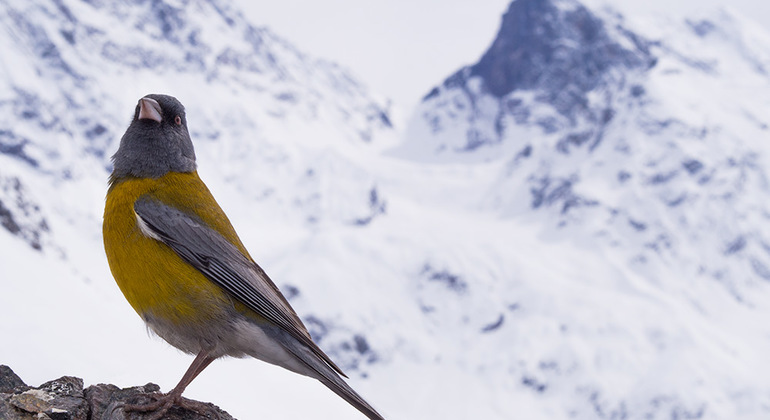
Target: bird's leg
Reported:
[(162, 404)]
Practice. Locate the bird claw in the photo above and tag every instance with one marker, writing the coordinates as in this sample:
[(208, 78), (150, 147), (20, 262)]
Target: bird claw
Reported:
[(158, 400), (161, 403)]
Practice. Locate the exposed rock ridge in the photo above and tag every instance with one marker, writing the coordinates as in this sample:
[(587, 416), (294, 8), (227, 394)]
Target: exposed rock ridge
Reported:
[(66, 399)]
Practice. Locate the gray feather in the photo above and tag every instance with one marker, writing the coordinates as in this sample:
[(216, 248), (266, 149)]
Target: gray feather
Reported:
[(328, 377), (221, 262)]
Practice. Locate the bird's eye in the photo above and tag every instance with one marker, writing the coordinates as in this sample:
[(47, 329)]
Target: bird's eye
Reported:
[(178, 120)]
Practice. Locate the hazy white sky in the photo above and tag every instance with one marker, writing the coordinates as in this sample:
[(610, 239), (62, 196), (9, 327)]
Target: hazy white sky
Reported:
[(401, 49)]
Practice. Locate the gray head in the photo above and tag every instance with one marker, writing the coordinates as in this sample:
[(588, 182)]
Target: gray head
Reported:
[(157, 141)]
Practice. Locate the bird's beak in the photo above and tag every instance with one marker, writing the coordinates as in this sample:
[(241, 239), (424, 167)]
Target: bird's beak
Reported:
[(149, 109)]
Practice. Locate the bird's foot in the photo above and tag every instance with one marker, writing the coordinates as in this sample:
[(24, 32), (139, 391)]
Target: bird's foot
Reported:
[(162, 403), (158, 400)]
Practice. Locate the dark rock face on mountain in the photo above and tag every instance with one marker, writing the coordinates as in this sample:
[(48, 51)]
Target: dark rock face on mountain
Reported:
[(559, 51), (26, 221), (554, 45)]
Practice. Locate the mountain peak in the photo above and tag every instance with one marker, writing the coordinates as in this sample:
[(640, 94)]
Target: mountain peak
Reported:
[(554, 65), (553, 44)]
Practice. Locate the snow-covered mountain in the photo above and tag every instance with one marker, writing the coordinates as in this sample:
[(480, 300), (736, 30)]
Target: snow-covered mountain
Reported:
[(572, 227), (635, 151), (277, 133)]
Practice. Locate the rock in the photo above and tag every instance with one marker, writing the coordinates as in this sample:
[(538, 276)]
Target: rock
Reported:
[(9, 380), (554, 45), (65, 399), (60, 399), (20, 214)]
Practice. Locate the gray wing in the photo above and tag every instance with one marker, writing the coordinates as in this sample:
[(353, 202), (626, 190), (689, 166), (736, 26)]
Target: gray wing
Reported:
[(221, 262)]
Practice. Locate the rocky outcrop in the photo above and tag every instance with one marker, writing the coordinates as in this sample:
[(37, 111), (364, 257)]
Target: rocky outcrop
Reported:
[(66, 399), (555, 65), (554, 45)]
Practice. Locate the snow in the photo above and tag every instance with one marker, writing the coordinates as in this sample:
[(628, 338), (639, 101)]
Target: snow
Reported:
[(424, 267)]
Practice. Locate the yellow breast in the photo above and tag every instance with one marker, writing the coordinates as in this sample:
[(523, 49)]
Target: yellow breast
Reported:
[(153, 278)]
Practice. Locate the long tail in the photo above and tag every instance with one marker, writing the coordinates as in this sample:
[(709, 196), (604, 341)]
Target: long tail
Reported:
[(330, 378)]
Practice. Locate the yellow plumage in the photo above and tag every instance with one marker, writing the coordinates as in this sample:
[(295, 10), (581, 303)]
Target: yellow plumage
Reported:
[(153, 278)]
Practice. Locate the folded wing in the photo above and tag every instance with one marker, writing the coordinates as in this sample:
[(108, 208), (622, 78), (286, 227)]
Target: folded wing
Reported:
[(221, 262)]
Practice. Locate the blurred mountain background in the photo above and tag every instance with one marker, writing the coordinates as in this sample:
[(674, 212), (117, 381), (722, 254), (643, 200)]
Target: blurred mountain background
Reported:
[(571, 227)]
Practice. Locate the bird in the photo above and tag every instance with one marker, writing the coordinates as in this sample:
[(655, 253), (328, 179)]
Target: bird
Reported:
[(182, 267)]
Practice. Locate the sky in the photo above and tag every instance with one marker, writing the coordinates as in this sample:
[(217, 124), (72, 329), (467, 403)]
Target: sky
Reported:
[(401, 49)]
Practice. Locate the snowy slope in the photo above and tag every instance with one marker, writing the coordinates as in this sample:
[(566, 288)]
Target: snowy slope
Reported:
[(272, 127), (570, 228), (635, 149)]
